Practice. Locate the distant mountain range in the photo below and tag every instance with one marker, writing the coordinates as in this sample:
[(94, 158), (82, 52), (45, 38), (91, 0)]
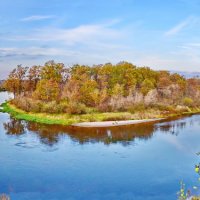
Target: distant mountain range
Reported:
[(188, 74)]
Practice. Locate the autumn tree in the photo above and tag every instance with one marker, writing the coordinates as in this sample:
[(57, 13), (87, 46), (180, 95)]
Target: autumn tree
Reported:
[(164, 79), (124, 74), (16, 80), (52, 78), (47, 90), (146, 86), (80, 87), (101, 86), (33, 77)]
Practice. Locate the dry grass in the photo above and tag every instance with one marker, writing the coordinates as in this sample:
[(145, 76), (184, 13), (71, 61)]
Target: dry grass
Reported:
[(69, 119)]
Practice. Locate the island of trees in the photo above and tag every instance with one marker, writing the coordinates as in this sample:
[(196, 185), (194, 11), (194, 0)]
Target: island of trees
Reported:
[(138, 92)]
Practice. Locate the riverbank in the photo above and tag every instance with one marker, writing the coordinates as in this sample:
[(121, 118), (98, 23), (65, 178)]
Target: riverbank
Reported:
[(114, 123), (86, 120), (63, 119)]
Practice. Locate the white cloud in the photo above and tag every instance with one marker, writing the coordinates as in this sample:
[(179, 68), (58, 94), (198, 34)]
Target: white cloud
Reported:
[(86, 44), (194, 44), (34, 51), (37, 18), (96, 43), (84, 34), (181, 26)]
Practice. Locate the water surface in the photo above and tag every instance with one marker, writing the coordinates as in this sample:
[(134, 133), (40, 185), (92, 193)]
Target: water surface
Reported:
[(137, 162)]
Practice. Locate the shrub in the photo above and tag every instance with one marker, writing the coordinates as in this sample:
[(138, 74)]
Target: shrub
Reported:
[(22, 103), (104, 107), (188, 101), (35, 106), (52, 107), (75, 108), (136, 108)]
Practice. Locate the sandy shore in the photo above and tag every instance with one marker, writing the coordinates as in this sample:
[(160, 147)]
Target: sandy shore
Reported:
[(113, 123)]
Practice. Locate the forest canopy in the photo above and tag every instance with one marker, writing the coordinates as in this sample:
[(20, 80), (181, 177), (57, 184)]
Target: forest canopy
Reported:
[(54, 88)]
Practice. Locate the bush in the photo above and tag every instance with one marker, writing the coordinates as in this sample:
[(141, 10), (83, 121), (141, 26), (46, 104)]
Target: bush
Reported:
[(188, 101), (104, 107), (136, 108), (36, 106), (165, 108), (76, 108), (27, 104), (22, 103), (52, 107)]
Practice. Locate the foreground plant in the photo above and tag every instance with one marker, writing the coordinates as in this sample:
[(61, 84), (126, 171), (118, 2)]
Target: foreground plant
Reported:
[(183, 195), (4, 197), (186, 195)]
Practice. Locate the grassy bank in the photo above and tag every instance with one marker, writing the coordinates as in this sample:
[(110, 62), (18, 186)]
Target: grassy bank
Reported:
[(68, 119), (63, 119)]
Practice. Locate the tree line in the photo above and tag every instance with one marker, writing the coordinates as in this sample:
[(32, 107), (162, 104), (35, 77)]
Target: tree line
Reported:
[(55, 88)]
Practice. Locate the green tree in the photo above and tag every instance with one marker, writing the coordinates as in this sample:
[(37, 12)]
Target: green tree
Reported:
[(147, 85)]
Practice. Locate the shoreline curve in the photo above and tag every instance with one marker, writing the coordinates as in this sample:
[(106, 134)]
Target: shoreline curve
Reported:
[(113, 123)]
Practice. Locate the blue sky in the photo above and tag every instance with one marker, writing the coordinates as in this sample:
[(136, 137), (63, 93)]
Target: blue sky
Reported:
[(159, 34)]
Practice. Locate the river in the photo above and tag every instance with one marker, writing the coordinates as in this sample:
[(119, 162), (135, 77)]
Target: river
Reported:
[(146, 161)]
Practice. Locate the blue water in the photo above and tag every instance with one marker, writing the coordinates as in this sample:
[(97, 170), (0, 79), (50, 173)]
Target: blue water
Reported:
[(137, 162)]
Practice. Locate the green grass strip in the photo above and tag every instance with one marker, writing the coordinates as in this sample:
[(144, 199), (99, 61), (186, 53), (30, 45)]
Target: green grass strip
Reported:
[(68, 119), (62, 119)]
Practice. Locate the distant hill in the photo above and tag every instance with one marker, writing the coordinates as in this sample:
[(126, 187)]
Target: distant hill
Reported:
[(188, 74)]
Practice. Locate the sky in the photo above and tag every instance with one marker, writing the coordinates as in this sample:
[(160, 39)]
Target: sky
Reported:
[(154, 33)]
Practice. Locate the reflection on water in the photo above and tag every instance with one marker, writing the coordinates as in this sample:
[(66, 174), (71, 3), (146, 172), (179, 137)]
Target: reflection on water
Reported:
[(173, 127), (14, 127), (51, 134), (144, 161)]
